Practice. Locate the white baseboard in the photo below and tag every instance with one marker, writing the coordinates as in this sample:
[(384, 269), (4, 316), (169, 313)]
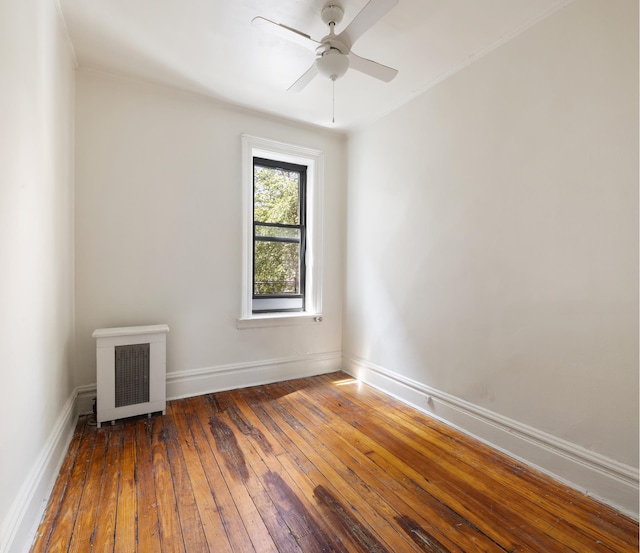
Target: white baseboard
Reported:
[(196, 382), (605, 479), (242, 375), (19, 527)]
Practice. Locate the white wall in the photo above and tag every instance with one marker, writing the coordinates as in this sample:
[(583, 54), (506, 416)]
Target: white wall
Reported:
[(159, 233), (36, 257), (493, 239)]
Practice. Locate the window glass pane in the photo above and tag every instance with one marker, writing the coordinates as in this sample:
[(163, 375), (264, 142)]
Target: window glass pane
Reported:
[(278, 232), (276, 197), (277, 268)]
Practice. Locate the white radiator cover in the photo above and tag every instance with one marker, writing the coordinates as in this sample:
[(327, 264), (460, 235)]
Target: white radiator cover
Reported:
[(131, 371)]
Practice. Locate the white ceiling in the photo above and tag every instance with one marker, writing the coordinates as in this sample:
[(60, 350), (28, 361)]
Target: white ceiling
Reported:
[(210, 47)]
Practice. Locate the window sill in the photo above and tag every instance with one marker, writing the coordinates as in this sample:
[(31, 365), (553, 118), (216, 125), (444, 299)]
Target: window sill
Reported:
[(278, 319)]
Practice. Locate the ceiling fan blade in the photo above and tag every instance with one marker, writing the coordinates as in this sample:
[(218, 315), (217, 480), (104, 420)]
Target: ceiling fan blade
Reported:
[(304, 80), (368, 16), (285, 32), (372, 68)]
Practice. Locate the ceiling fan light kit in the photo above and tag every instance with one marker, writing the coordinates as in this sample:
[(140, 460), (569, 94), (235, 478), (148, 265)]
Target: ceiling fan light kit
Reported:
[(332, 64)]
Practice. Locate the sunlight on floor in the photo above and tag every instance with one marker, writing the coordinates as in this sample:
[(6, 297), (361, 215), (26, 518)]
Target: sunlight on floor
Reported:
[(349, 381)]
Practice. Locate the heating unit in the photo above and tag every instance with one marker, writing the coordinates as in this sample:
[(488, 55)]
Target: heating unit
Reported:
[(131, 366)]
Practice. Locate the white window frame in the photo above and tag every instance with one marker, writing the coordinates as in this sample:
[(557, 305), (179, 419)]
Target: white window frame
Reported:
[(253, 146)]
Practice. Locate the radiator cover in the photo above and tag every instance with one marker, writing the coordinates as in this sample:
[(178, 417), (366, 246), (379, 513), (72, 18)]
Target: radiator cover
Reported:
[(131, 371)]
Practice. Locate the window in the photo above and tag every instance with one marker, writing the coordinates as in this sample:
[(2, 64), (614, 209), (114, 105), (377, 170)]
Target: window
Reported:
[(279, 233), (282, 246)]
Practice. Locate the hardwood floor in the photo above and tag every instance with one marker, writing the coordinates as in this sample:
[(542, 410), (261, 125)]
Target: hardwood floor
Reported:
[(317, 464)]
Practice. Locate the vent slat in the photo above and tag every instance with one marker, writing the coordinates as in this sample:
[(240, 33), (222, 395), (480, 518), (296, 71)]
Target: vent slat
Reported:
[(131, 374)]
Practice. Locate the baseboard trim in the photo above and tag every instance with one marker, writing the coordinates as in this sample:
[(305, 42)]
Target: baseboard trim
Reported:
[(19, 528), (181, 384), (605, 479), (196, 382)]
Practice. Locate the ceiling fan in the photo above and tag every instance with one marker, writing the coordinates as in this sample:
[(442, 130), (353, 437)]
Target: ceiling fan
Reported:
[(333, 52)]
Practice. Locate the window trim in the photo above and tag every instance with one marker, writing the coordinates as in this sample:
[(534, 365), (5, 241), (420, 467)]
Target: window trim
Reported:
[(253, 146)]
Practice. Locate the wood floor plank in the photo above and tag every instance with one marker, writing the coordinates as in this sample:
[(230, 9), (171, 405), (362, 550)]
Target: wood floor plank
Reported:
[(104, 535), (204, 488), (126, 537), (148, 524), (171, 539), (190, 521), (69, 510), (313, 465), (85, 525)]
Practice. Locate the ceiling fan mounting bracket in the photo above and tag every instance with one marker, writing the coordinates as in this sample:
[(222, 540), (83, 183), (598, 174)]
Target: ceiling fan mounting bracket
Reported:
[(332, 14)]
